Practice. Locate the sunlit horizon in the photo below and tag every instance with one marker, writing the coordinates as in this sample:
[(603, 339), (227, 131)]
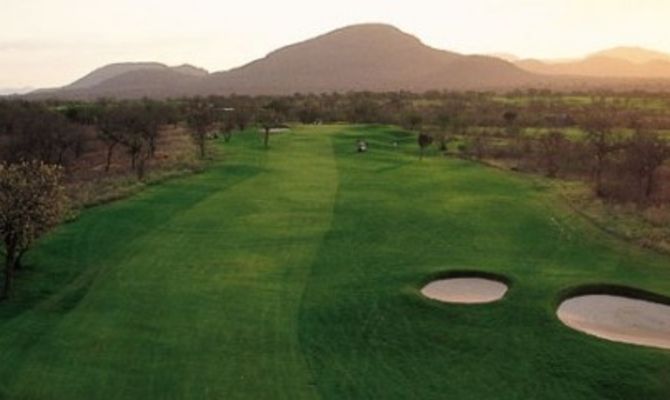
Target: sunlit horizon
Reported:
[(52, 43)]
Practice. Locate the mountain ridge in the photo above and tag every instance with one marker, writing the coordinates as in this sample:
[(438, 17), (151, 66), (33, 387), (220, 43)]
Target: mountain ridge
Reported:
[(375, 57), (363, 57), (616, 62)]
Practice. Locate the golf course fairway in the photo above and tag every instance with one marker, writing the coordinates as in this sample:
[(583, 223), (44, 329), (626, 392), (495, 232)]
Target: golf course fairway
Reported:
[(296, 273)]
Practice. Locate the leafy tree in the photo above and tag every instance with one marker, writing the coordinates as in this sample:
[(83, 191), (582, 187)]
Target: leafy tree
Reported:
[(32, 201)]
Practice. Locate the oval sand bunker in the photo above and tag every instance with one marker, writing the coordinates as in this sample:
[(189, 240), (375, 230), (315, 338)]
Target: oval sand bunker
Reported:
[(465, 290), (619, 319)]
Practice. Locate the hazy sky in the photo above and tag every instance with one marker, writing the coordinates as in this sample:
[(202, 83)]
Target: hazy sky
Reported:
[(53, 42)]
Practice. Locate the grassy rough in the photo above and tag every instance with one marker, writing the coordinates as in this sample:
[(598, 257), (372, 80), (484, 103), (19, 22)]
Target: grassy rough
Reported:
[(296, 273)]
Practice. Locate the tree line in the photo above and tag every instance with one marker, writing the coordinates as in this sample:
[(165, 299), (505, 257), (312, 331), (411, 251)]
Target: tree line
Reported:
[(614, 140)]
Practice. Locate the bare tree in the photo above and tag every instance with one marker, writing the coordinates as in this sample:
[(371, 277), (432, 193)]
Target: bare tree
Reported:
[(38, 133), (268, 120), (109, 123), (551, 147), (413, 120), (241, 117), (134, 136), (645, 153), (476, 146), (227, 127), (154, 115), (602, 141), (443, 120), (510, 118), (200, 118), (424, 141)]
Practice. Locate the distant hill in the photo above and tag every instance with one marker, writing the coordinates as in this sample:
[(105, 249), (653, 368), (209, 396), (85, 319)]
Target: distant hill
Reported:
[(188, 69), (161, 83), (620, 62), (15, 91), (506, 56), (111, 71), (637, 55), (371, 57), (133, 79)]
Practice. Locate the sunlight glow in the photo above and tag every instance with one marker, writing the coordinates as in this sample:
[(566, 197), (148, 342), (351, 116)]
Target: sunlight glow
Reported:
[(53, 42)]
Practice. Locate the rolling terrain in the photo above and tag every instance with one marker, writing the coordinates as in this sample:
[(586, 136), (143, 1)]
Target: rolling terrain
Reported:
[(295, 273)]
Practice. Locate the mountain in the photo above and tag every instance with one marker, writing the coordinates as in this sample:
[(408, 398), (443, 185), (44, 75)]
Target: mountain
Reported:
[(637, 55), (371, 57), (100, 75), (506, 56), (161, 83), (112, 71), (366, 57), (620, 62), (132, 79), (188, 69)]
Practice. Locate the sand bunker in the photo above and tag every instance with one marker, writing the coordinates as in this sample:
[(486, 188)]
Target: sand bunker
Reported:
[(619, 319), (465, 290), (276, 130)]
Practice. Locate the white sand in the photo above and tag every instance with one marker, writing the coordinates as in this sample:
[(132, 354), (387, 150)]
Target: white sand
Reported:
[(465, 290), (619, 319)]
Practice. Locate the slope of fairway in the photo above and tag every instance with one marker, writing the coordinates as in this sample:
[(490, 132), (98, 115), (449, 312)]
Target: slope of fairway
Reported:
[(368, 333), (195, 291), (295, 272)]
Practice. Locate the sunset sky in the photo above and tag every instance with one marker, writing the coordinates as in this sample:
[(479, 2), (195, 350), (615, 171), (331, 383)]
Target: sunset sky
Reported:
[(53, 42)]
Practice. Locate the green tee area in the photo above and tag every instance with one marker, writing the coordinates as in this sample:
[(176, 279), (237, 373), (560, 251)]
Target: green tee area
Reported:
[(295, 272)]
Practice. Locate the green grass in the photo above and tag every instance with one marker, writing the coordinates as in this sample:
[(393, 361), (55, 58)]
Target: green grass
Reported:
[(295, 273)]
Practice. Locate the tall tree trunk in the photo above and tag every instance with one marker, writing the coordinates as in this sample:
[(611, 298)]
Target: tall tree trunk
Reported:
[(152, 146), (598, 173), (18, 264), (61, 156), (10, 264), (649, 190), (202, 142), (110, 154), (443, 144), (141, 168)]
